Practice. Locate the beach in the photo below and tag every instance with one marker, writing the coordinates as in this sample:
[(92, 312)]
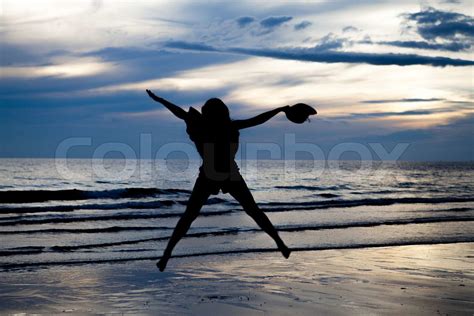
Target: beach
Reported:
[(392, 238), (419, 279)]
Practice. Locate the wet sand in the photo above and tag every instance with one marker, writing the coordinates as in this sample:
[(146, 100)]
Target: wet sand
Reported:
[(423, 279)]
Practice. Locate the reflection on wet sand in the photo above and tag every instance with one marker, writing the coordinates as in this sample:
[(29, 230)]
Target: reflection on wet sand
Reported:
[(410, 279)]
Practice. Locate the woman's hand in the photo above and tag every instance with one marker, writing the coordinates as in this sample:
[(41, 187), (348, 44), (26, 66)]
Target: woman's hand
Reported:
[(176, 110), (153, 96), (284, 108)]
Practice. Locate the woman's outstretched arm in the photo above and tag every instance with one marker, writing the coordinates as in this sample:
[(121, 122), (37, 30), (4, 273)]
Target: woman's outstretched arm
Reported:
[(176, 110), (259, 119)]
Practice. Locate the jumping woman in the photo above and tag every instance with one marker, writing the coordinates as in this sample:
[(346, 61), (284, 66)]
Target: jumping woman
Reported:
[(216, 137)]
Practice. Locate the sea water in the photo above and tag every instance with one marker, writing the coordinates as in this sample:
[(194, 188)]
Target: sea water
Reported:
[(62, 212)]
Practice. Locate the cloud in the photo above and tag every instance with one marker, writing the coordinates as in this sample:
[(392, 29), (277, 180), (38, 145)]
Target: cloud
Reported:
[(274, 21), (22, 55), (191, 46), (125, 65), (401, 100), (244, 21), (330, 42), (444, 31), (433, 25), (123, 53), (350, 28), (78, 68), (451, 107), (387, 114), (449, 46), (451, 1), (302, 25), (322, 53), (412, 112)]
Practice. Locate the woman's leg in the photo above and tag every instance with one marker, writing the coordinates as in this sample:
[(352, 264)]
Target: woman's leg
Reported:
[(242, 194), (198, 198)]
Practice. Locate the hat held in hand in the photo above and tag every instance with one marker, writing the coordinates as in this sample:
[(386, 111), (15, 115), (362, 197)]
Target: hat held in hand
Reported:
[(299, 112)]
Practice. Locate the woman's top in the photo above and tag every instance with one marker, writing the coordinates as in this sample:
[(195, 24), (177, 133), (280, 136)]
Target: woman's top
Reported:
[(217, 144)]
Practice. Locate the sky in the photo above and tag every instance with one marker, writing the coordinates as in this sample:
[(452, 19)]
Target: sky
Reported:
[(378, 72)]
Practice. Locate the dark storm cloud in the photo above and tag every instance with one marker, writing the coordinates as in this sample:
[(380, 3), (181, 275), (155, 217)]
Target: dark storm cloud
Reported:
[(321, 53), (274, 21), (302, 25), (245, 20)]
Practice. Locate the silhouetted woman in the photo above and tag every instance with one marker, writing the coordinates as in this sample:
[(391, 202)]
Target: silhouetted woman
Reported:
[(216, 137)]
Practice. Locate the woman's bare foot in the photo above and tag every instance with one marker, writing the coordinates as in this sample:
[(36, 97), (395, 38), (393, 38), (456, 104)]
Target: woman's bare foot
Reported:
[(162, 263), (285, 251)]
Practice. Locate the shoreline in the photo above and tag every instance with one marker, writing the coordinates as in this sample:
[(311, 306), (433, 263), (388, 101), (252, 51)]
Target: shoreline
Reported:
[(51, 264), (415, 279)]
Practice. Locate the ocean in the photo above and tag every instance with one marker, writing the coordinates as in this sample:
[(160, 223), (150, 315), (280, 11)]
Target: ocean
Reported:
[(57, 212)]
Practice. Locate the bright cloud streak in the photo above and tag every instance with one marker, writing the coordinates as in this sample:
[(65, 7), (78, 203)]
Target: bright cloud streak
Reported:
[(81, 68), (335, 88)]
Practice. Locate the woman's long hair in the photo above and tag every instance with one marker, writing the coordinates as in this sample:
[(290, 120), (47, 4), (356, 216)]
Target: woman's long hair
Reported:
[(218, 122), (215, 111)]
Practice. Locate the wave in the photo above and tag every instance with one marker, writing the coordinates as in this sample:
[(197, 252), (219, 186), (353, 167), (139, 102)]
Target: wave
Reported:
[(235, 231), (28, 250), (104, 218), (406, 184), (455, 240), (33, 196), (102, 206), (310, 205), (378, 192), (112, 229), (270, 206), (32, 220), (71, 208), (313, 188), (328, 195)]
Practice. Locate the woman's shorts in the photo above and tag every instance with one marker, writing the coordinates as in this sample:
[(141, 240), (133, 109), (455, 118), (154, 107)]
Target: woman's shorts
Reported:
[(225, 182)]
